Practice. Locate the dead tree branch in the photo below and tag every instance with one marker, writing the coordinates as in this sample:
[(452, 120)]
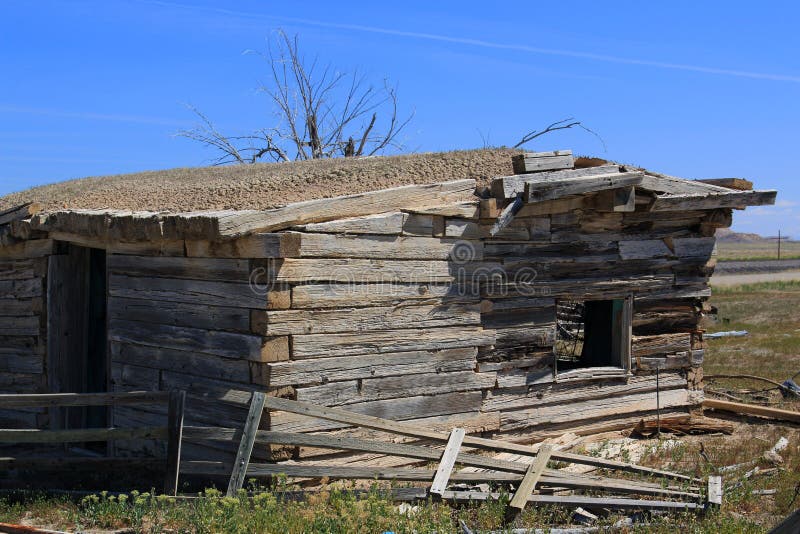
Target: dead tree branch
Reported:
[(564, 124)]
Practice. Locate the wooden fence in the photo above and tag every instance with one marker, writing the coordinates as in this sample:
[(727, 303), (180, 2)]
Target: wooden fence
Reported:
[(171, 432)]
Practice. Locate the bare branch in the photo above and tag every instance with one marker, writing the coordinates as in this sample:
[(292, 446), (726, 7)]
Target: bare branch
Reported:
[(559, 125)]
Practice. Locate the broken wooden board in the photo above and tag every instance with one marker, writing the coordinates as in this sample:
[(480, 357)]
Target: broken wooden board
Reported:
[(537, 190), (728, 199)]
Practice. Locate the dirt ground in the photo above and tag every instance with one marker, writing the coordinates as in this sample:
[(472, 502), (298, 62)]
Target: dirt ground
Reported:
[(264, 186)]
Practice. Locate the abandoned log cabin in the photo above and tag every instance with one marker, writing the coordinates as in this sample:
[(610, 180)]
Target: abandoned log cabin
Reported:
[(515, 295)]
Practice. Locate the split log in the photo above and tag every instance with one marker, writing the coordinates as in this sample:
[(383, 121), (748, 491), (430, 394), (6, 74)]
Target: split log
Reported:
[(511, 186), (538, 190)]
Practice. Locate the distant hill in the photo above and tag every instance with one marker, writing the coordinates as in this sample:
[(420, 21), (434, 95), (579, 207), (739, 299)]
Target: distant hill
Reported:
[(726, 235)]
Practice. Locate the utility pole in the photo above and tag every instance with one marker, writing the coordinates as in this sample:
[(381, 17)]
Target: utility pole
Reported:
[(779, 244)]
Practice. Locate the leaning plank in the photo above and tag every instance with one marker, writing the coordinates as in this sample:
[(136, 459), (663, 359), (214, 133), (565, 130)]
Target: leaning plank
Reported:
[(528, 484), (246, 444), (19, 212), (346, 344), (542, 190), (511, 186), (235, 223), (376, 423), (543, 161), (731, 199), (506, 216), (447, 462), (750, 409), (175, 414)]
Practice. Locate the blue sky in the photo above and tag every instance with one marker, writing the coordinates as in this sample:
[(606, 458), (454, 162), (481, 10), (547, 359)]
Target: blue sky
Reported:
[(687, 88)]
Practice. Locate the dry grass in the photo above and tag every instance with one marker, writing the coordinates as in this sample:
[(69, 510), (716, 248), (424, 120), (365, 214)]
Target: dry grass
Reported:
[(761, 250)]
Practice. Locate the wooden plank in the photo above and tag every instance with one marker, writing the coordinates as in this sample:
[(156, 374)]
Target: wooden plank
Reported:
[(230, 294), (225, 344), (156, 247), (714, 490), (188, 362), (447, 462), (290, 322), (86, 434), (48, 400), (644, 249), (20, 308), (323, 370), (281, 245), (694, 248), (22, 326), (537, 190), (465, 210), (21, 289), (506, 216), (246, 444), (223, 270), (615, 200), (238, 223), (22, 211), (730, 183), (351, 417), (175, 413), (37, 248), (750, 409), (370, 389), (612, 503), (347, 344), (660, 344), (511, 186), (529, 481), (381, 224), (543, 161), (179, 314), (381, 247), (671, 185), (363, 271), (334, 295), (737, 199)]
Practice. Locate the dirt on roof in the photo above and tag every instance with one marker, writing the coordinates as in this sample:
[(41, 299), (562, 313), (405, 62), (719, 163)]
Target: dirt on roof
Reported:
[(265, 185)]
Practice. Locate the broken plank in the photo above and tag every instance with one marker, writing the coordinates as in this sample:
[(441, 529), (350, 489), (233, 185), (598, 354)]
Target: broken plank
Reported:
[(529, 481), (731, 199), (447, 462), (246, 444), (542, 190)]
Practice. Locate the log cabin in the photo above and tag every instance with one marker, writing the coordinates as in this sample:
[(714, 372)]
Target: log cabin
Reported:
[(564, 294)]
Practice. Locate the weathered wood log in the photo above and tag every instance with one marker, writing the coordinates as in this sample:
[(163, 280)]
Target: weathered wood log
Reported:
[(19, 212), (542, 161), (343, 295), (20, 361), (511, 186), (550, 394), (289, 322), (466, 210), (180, 314), (686, 424), (644, 249), (226, 344), (280, 245), (382, 247), (235, 224), (751, 409), (660, 344), (224, 270), (190, 362), (539, 190), (615, 200), (357, 271), (371, 389), (381, 224), (19, 326), (87, 434), (729, 199), (347, 344), (198, 292), (368, 366)]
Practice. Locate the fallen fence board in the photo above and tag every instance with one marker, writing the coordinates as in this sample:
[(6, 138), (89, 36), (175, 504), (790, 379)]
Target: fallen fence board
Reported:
[(447, 462), (750, 409), (246, 445), (529, 481)]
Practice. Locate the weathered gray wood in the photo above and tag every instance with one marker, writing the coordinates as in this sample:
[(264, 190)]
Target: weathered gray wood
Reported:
[(660, 344), (543, 161), (729, 183), (231, 294), (644, 249), (226, 344), (323, 370), (511, 186), (21, 289), (188, 362), (346, 344), (529, 481), (20, 308), (288, 322), (466, 210), (179, 314), (155, 247), (224, 270), (280, 245), (246, 445), (506, 216), (700, 248), (613, 503), (671, 185), (175, 413), (19, 212), (234, 224), (370, 389), (47, 400), (27, 249), (353, 416), (377, 294), (447, 462), (714, 490), (537, 190), (384, 223), (730, 199), (20, 361), (355, 271), (380, 247), (21, 326)]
